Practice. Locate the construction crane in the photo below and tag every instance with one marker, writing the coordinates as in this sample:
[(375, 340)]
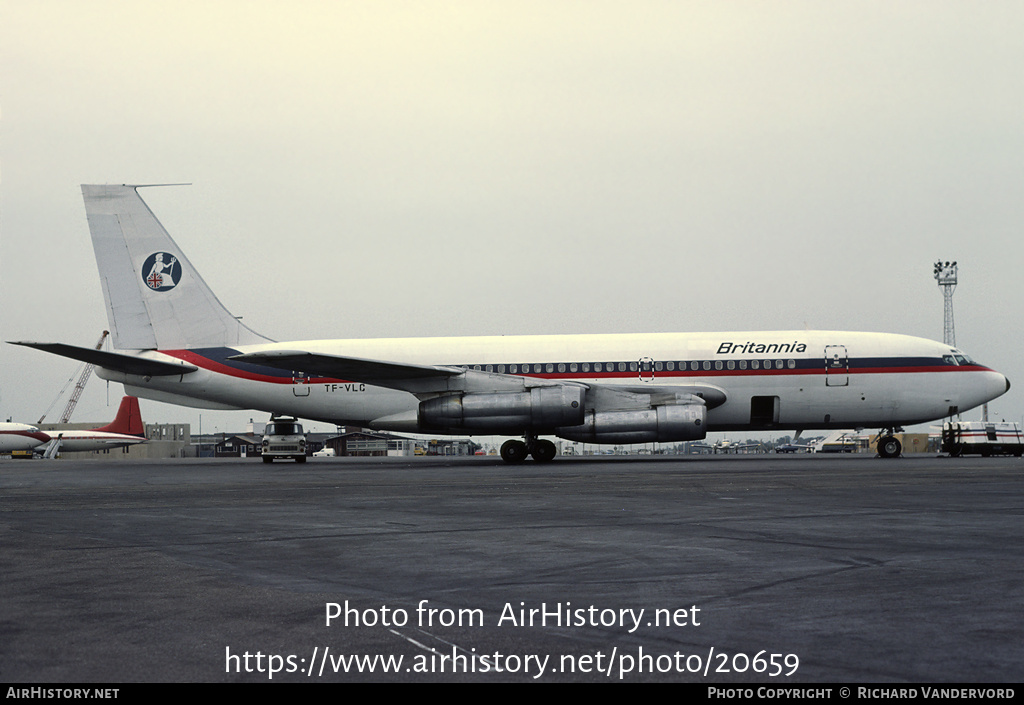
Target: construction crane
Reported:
[(77, 391)]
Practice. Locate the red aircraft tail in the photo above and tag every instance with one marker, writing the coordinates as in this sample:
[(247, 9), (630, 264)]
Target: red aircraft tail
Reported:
[(128, 419)]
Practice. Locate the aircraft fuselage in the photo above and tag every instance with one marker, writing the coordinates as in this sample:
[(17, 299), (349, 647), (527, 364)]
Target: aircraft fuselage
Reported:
[(785, 380)]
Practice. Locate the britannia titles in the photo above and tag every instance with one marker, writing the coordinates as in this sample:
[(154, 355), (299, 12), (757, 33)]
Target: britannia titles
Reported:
[(750, 348)]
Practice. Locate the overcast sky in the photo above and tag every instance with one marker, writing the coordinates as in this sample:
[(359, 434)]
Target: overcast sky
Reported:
[(386, 169)]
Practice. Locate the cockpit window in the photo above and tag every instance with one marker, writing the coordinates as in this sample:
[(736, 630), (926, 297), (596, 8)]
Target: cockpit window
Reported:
[(948, 359), (962, 357)]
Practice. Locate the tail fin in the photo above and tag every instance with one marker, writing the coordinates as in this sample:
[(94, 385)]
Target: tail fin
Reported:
[(128, 419), (155, 297)]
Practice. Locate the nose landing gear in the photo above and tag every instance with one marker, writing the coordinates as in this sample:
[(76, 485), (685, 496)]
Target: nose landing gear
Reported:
[(888, 445)]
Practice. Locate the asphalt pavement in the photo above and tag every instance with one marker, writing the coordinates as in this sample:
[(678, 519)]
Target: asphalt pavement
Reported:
[(726, 569)]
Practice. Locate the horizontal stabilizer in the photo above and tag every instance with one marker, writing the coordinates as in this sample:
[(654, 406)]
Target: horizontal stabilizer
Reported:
[(129, 364)]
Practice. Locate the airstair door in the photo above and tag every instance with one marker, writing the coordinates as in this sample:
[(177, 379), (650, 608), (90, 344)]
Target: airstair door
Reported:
[(300, 384), (837, 366)]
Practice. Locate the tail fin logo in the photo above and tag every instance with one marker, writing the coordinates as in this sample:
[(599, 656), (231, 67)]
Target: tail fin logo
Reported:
[(161, 271)]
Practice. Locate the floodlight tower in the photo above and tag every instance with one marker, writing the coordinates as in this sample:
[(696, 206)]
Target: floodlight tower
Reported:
[(945, 275)]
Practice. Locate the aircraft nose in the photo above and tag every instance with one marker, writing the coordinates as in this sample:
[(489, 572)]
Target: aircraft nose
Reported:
[(1001, 385)]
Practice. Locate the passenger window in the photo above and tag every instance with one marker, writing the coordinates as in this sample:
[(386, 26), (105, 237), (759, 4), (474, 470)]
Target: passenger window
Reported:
[(694, 365), (755, 364), (586, 367), (778, 364), (670, 366), (743, 364), (791, 364), (706, 365), (718, 364), (598, 367), (572, 366), (731, 364)]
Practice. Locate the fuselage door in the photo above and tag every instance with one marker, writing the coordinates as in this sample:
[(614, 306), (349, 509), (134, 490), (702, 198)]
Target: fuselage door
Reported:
[(837, 366), (300, 384), (646, 369)]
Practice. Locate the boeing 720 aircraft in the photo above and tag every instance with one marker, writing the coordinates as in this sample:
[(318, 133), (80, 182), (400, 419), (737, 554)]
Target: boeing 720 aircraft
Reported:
[(175, 342)]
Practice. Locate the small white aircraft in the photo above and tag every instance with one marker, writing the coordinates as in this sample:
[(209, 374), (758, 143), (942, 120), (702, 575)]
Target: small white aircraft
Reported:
[(125, 430), (728, 446), (20, 436), (177, 343)]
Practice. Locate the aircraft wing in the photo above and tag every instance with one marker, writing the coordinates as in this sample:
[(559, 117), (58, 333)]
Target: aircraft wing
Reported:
[(430, 380), (129, 364), (417, 379), (350, 368)]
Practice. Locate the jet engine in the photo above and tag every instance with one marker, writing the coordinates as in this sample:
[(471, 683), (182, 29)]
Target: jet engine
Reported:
[(539, 409), (662, 424)]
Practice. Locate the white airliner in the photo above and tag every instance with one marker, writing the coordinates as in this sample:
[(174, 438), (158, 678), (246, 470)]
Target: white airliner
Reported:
[(20, 436), (125, 430), (178, 344)]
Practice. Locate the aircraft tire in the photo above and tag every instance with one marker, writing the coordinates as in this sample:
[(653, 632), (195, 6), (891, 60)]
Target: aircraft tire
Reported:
[(544, 451), (513, 452), (889, 447)]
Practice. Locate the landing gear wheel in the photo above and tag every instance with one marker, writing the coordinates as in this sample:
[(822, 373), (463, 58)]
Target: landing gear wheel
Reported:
[(513, 452), (544, 451), (889, 447)]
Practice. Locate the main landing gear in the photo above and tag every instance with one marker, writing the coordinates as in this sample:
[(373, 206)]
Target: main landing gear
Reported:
[(515, 452), (888, 445)]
